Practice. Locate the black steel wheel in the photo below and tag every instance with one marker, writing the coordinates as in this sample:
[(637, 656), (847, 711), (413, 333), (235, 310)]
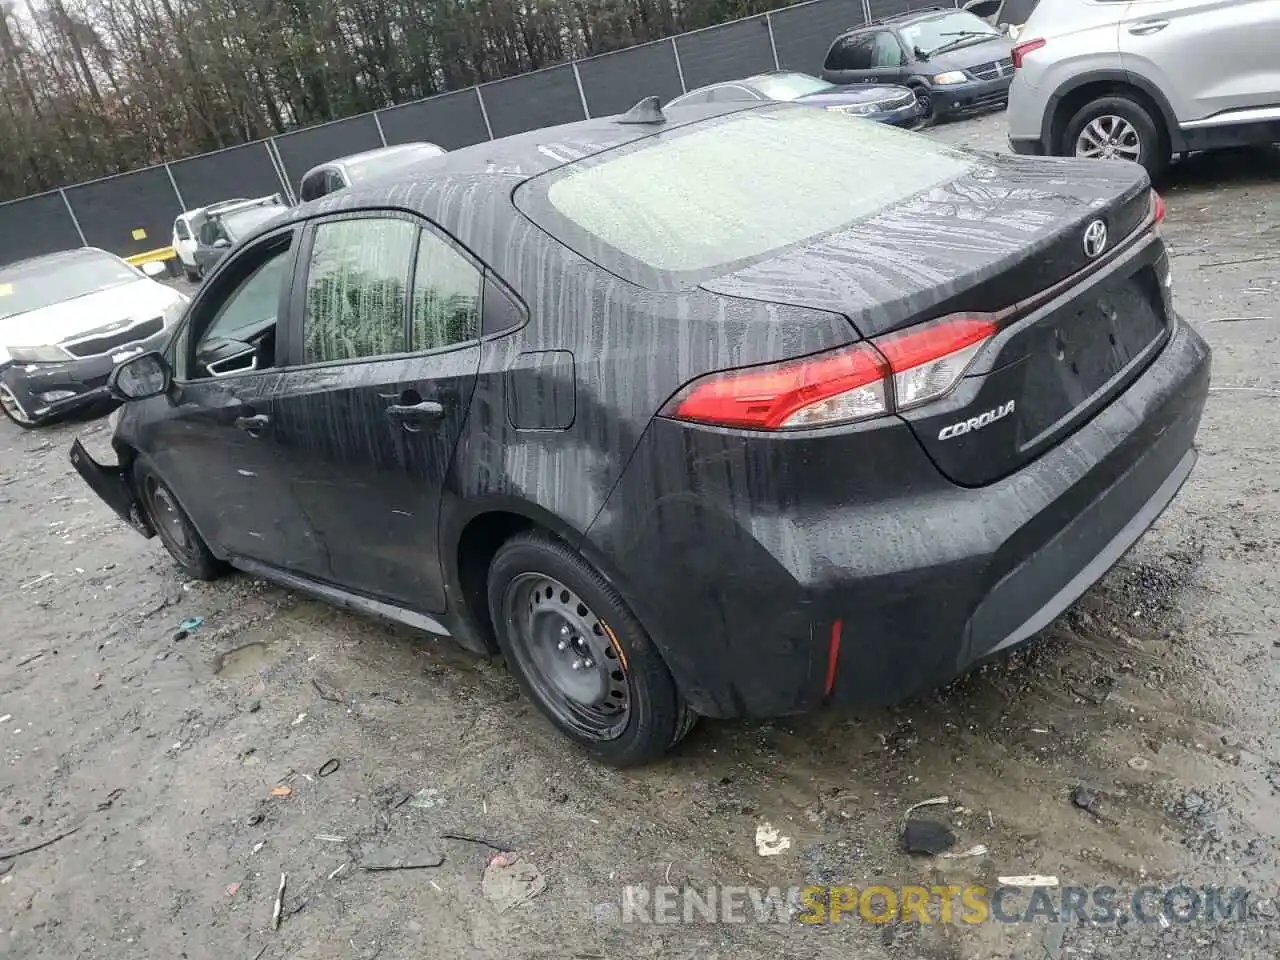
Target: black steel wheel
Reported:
[(173, 526), (580, 654), (569, 655), (925, 100)]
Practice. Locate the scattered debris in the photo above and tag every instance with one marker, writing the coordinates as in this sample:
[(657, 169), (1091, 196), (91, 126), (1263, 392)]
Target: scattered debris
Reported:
[(254, 706), (112, 797), (329, 766), (188, 627), (339, 870), (330, 838), (6, 718), (1087, 800), (279, 905), (1139, 763), (510, 880), (426, 799), (927, 837), (931, 802), (232, 889), (10, 854), (282, 790), (399, 800), (977, 850), (326, 692), (30, 658), (382, 859), (298, 719), (491, 844), (258, 846), (37, 581), (1027, 880), (1234, 319), (256, 819), (769, 842)]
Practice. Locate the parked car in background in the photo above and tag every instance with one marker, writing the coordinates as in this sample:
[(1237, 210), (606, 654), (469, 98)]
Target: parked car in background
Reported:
[(1008, 16), (340, 174), (224, 227), (602, 418), (886, 104), (1145, 80), (186, 230), (66, 319), (955, 62)]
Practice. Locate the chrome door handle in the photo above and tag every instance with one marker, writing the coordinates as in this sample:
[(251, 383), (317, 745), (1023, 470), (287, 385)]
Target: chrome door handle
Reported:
[(1148, 27)]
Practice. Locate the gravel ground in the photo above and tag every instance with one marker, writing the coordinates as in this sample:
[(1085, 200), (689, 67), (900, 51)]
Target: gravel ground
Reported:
[(1157, 692)]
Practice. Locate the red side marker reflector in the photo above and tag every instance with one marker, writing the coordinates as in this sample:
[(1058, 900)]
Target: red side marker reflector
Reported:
[(833, 656)]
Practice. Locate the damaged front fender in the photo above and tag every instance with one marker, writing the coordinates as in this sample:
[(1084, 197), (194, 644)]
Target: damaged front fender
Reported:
[(113, 486)]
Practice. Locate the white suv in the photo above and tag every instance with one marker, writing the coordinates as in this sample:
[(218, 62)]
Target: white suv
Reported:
[(1145, 79)]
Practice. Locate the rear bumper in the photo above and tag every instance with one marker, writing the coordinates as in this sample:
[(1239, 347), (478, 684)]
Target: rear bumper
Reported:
[(971, 97), (84, 380), (909, 579)]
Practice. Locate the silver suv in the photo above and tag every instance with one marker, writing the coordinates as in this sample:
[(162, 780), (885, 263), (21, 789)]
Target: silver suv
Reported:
[(1145, 79)]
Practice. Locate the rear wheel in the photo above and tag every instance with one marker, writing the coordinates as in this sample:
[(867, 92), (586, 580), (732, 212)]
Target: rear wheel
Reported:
[(581, 655), (1117, 128), (14, 411), (173, 526)]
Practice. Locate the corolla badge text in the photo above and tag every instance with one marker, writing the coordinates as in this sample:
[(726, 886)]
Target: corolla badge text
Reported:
[(976, 423)]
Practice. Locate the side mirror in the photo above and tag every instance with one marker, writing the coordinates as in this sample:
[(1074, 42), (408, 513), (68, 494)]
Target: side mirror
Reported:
[(146, 375), (154, 268)]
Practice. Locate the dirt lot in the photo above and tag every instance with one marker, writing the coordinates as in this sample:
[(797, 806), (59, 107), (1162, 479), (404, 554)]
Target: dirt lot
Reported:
[(1158, 692)]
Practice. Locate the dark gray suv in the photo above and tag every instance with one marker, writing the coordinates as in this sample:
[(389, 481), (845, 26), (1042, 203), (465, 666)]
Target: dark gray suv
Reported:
[(955, 62)]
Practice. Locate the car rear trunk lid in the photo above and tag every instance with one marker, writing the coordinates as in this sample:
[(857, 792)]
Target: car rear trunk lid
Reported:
[(1007, 239)]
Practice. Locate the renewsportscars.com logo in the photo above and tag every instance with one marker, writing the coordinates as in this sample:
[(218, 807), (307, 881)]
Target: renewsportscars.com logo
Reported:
[(930, 905)]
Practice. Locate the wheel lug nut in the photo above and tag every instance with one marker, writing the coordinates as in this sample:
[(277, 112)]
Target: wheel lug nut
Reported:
[(588, 662), (576, 665), (562, 646)]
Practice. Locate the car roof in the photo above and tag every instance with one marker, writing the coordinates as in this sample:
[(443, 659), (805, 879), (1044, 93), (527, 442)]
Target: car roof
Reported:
[(367, 154), (902, 19)]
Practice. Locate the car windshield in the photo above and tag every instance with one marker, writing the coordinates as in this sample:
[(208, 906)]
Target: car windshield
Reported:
[(390, 161), (243, 222), (790, 86), (952, 30), (738, 188), (41, 283)]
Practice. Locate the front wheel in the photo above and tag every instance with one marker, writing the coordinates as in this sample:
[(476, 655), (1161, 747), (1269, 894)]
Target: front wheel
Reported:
[(580, 654), (925, 100), (1117, 128), (173, 526), (14, 410)]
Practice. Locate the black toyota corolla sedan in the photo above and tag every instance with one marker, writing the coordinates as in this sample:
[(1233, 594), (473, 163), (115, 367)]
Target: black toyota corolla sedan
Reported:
[(728, 411)]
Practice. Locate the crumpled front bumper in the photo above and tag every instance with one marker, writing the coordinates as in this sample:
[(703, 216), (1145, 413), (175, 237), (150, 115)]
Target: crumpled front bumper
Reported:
[(113, 486)]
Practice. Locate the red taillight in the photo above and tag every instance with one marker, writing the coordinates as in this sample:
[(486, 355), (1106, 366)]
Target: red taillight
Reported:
[(1020, 50), (895, 372), (1157, 207)]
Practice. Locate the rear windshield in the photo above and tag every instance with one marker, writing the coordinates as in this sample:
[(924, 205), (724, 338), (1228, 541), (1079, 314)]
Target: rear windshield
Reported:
[(675, 209), (41, 283), (790, 86), (243, 222)]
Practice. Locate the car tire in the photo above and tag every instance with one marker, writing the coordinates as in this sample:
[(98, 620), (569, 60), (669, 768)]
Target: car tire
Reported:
[(925, 99), (550, 608), (13, 411), (1133, 126), (173, 526)]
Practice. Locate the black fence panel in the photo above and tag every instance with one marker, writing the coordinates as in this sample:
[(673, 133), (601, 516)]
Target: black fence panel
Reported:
[(245, 171), (303, 149), (128, 214), (35, 225), (615, 82), (728, 52), (803, 34), (541, 99), (451, 120)]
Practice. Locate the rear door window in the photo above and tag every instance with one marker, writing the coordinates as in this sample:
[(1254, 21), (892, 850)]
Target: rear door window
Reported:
[(446, 296), (356, 295), (855, 52), (705, 199)]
